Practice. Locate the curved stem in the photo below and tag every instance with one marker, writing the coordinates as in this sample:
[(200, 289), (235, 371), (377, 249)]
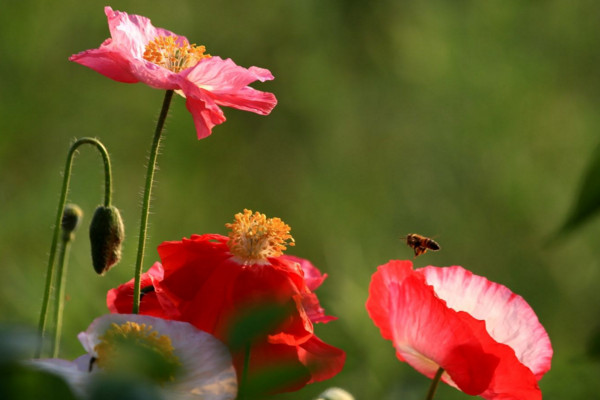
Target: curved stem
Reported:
[(59, 213), (59, 298), (434, 383), (146, 202)]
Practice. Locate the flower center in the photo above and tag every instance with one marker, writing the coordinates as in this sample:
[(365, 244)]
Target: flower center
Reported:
[(139, 348), (174, 53), (254, 237)]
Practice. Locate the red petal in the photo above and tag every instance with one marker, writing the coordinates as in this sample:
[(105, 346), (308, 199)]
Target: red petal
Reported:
[(211, 289), (312, 275), (120, 300), (323, 361), (427, 334), (508, 317)]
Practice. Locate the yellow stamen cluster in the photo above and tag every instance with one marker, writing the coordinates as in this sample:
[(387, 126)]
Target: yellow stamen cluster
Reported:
[(254, 237), (122, 344), (168, 53)]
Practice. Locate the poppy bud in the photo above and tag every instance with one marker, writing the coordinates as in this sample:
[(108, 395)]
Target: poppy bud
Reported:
[(71, 218), (106, 234)]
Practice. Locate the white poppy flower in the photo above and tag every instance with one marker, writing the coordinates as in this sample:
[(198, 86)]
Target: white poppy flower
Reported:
[(194, 364)]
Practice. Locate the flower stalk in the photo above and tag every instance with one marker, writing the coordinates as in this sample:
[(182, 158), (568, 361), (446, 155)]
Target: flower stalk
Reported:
[(434, 383), (146, 202), (71, 219), (57, 225)]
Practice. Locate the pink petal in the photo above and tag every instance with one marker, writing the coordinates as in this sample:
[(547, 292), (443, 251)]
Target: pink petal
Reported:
[(428, 334), (246, 99), (121, 57), (381, 298), (214, 73), (206, 114), (312, 275), (313, 279), (508, 317), (131, 33), (109, 63), (314, 311), (226, 83)]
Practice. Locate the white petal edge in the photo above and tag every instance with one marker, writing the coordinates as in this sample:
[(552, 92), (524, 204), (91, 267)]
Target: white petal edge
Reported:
[(508, 317)]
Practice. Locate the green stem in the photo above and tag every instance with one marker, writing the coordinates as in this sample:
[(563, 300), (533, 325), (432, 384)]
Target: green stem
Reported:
[(59, 299), (434, 383), (146, 202), (244, 380), (59, 213)]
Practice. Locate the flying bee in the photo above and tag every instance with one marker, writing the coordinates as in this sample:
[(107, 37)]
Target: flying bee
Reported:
[(420, 244)]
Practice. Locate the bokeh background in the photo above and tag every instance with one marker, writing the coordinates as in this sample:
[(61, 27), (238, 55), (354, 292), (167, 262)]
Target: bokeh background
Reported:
[(471, 122)]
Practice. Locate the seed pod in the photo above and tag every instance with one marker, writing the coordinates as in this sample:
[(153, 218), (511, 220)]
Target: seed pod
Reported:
[(106, 234), (71, 218)]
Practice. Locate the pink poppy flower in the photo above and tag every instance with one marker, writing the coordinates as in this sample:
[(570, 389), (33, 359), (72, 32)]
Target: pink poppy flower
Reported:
[(139, 52), (487, 339)]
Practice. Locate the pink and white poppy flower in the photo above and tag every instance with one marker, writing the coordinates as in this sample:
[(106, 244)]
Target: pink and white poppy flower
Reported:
[(193, 363), (487, 339), (139, 52)]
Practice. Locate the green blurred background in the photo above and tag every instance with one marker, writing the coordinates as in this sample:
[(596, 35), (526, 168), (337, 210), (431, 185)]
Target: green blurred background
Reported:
[(468, 121)]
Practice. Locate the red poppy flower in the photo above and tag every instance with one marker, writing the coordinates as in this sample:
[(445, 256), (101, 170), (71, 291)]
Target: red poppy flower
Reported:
[(487, 339), (139, 52), (213, 282)]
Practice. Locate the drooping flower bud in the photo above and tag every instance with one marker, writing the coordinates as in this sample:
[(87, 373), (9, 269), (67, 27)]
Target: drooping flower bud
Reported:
[(71, 218), (106, 234)]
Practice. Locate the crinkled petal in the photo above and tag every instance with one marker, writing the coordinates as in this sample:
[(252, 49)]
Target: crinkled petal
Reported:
[(428, 334), (131, 33), (210, 83), (246, 99), (323, 361), (121, 57), (226, 83), (109, 63), (313, 279), (313, 308), (205, 112), (508, 317), (425, 333), (214, 73), (312, 275)]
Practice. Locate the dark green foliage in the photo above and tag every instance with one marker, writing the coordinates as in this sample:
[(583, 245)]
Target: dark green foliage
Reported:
[(587, 201), (19, 381), (112, 386)]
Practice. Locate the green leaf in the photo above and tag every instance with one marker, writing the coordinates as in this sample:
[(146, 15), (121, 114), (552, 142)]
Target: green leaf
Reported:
[(588, 199)]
